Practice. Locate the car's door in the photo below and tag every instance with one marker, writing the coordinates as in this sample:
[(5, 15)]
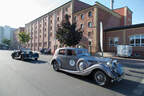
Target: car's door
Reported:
[(71, 59), (62, 57)]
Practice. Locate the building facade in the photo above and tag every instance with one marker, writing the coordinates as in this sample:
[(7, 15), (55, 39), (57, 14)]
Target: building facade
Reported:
[(6, 32), (125, 35), (43, 29), (88, 18)]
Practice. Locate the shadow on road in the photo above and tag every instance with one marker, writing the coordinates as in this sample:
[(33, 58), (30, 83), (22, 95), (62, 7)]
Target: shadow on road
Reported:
[(132, 63), (35, 61), (124, 87)]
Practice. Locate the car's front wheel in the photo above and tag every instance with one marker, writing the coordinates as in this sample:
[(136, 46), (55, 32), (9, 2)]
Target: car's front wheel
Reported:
[(36, 59), (55, 66), (101, 78)]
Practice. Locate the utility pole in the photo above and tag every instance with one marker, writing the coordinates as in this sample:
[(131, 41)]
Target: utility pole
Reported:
[(112, 4)]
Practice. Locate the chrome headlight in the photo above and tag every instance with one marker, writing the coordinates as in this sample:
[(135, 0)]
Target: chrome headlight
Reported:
[(82, 66), (109, 63)]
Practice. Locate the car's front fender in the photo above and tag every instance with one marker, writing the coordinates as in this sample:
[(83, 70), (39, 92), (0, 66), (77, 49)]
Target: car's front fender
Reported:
[(102, 67)]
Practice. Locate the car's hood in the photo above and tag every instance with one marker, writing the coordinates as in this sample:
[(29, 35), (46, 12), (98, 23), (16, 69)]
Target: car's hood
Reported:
[(98, 59)]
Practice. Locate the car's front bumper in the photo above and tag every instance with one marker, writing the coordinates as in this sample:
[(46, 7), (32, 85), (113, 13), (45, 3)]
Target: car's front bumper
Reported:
[(117, 78)]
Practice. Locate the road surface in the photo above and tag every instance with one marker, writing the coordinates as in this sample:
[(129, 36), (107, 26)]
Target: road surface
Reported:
[(31, 78)]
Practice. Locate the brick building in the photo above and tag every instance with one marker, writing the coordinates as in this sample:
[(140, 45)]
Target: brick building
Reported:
[(125, 35), (43, 29), (87, 17)]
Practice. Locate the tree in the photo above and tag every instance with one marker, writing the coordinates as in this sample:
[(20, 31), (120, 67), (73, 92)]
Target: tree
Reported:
[(67, 33), (23, 37), (6, 41)]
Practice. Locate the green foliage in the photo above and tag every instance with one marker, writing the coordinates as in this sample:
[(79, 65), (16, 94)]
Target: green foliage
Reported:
[(6, 41), (23, 37), (67, 33)]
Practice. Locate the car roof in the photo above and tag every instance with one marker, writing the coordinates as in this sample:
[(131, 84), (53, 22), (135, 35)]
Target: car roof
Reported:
[(72, 48)]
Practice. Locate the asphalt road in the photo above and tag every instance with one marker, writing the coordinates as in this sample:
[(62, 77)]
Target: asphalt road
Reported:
[(31, 78)]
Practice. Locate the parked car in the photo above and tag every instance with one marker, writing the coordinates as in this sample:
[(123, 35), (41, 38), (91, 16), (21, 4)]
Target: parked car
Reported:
[(24, 54), (78, 61), (45, 51)]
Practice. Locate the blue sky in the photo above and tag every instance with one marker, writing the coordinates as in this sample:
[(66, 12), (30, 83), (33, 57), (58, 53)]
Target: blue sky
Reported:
[(16, 13), (136, 6)]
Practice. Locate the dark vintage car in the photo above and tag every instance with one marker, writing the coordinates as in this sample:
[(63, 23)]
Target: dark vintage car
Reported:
[(24, 54), (45, 51), (78, 61)]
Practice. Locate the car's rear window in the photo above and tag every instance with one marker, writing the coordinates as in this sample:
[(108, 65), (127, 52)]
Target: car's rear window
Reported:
[(62, 52), (71, 52)]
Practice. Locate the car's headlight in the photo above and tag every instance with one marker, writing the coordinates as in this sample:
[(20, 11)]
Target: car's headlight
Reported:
[(109, 63), (82, 65)]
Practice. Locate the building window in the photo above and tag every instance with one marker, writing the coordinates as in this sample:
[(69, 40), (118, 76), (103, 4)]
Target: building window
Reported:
[(89, 14), (75, 18), (82, 16), (66, 9), (45, 44), (57, 18), (51, 21), (89, 24), (136, 40), (50, 34), (81, 26), (89, 43), (45, 35), (142, 40), (89, 34), (111, 43), (116, 41), (49, 43), (40, 44), (51, 28)]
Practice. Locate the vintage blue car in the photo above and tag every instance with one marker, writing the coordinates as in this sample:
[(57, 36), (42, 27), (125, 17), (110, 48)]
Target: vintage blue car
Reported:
[(78, 61), (24, 54)]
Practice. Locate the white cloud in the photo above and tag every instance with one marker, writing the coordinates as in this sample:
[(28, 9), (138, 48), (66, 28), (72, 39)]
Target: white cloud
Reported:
[(16, 13)]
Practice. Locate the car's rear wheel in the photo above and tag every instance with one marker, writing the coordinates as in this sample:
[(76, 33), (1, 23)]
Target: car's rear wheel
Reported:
[(22, 57), (55, 66), (13, 56), (101, 78)]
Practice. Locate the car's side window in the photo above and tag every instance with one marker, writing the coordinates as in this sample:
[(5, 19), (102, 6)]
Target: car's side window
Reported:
[(71, 52), (62, 52)]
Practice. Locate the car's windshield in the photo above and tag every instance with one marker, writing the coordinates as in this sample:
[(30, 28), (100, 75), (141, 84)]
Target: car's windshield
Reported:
[(83, 52)]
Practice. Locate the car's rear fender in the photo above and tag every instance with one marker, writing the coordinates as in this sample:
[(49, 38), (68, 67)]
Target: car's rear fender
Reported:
[(57, 60)]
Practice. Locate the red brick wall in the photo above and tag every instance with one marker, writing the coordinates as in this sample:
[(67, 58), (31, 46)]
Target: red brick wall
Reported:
[(85, 21), (108, 19), (120, 35), (78, 5), (121, 12), (125, 13)]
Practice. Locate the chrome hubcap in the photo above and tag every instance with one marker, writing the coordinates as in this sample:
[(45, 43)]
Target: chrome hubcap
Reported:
[(55, 66), (100, 78)]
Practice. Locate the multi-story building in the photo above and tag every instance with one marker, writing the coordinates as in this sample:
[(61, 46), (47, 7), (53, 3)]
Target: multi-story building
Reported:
[(1, 34), (43, 29), (6, 32), (88, 18)]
